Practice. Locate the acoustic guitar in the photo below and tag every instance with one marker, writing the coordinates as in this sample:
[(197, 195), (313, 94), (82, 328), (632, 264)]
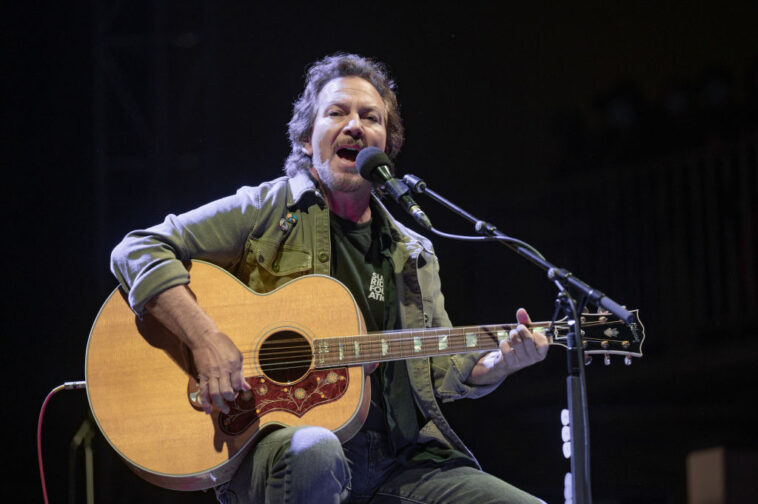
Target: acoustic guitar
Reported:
[(303, 348)]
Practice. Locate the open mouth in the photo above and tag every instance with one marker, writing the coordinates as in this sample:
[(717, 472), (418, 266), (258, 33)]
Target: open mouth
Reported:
[(348, 153)]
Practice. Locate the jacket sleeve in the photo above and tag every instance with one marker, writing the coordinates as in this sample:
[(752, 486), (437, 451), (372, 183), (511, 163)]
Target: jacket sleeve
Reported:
[(449, 372), (149, 261)]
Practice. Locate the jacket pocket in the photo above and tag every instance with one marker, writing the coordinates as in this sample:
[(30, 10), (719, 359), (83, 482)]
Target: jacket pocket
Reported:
[(280, 259), (270, 265)]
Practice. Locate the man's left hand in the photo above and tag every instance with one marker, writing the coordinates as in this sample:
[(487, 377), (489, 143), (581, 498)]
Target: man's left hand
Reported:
[(522, 348)]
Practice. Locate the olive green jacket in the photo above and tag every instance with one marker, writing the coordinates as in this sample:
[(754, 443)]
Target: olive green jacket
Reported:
[(268, 235)]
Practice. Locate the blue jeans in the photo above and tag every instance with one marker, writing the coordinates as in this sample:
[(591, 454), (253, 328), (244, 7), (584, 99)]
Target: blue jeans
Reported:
[(309, 465)]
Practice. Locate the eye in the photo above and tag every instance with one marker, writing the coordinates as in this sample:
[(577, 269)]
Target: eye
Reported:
[(373, 118)]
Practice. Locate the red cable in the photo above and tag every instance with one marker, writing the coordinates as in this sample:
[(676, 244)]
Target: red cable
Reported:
[(67, 385), (39, 439)]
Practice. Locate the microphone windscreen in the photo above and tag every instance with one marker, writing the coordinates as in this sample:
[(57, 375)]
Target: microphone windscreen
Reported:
[(368, 159)]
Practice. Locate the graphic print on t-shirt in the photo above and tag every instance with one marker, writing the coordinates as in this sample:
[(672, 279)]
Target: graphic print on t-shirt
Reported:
[(376, 287)]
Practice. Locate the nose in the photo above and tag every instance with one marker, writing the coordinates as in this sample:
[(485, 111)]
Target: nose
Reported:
[(354, 127)]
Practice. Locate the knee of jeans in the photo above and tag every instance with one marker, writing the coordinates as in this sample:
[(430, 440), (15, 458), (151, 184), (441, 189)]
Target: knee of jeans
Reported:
[(310, 442)]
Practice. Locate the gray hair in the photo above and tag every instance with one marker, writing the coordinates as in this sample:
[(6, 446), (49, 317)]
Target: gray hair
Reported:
[(304, 109)]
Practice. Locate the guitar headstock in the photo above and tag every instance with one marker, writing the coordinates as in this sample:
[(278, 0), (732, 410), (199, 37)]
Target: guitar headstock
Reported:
[(604, 334)]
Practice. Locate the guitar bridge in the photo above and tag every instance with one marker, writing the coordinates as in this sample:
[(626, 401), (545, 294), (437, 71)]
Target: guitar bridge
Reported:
[(315, 389)]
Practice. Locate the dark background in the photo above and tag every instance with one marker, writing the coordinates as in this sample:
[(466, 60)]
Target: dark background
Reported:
[(620, 139)]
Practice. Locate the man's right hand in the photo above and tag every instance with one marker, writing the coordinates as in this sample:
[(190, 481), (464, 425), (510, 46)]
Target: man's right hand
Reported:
[(219, 367), (218, 361)]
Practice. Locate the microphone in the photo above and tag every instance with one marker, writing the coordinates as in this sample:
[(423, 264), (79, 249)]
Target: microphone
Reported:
[(374, 165)]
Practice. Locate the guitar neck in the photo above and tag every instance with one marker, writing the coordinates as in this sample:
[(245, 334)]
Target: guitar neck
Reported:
[(601, 334), (408, 344)]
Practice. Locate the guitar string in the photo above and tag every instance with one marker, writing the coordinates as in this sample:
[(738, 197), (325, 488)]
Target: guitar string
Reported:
[(369, 345), (455, 331), (308, 361), (305, 364), (365, 340), (370, 340)]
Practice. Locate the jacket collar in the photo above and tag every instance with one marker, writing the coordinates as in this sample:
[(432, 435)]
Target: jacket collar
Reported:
[(300, 185), (303, 184)]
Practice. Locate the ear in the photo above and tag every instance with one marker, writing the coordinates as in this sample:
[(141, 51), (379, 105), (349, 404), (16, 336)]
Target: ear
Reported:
[(307, 148)]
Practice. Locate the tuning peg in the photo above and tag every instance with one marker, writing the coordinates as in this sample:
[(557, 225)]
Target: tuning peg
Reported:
[(628, 360), (587, 359), (607, 359)]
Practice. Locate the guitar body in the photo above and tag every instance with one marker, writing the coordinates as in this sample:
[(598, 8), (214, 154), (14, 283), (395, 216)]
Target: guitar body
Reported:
[(141, 379)]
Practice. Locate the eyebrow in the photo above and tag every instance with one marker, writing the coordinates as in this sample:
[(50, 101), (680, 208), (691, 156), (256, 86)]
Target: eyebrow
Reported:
[(363, 109), (345, 104)]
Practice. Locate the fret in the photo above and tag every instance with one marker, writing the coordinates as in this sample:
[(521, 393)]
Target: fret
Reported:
[(428, 342), (373, 347), (405, 345), (385, 346), (396, 345), (357, 349), (448, 340), (491, 336), (322, 352), (502, 335), (417, 345), (471, 338), (443, 340), (336, 356), (391, 345), (438, 340), (457, 342)]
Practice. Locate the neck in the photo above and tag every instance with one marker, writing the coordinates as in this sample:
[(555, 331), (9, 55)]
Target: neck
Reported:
[(351, 205)]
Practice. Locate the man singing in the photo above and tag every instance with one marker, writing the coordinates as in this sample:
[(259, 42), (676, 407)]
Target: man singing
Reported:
[(323, 218)]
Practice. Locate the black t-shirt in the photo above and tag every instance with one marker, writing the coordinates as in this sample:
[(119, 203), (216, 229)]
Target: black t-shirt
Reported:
[(361, 259)]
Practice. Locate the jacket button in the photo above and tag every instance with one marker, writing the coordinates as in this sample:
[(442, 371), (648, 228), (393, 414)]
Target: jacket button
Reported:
[(323, 257)]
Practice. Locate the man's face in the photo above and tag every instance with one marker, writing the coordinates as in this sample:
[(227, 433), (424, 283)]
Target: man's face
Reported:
[(350, 115)]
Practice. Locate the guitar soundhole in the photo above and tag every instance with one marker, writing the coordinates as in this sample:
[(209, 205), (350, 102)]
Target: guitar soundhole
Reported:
[(285, 356)]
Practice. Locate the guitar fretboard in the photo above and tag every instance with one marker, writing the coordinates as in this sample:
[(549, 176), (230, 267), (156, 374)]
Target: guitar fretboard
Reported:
[(406, 344)]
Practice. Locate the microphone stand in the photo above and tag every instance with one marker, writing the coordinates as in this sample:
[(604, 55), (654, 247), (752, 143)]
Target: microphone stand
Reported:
[(565, 303)]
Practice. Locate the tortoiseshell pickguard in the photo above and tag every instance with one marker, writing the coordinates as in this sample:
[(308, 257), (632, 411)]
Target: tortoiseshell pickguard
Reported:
[(315, 389)]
